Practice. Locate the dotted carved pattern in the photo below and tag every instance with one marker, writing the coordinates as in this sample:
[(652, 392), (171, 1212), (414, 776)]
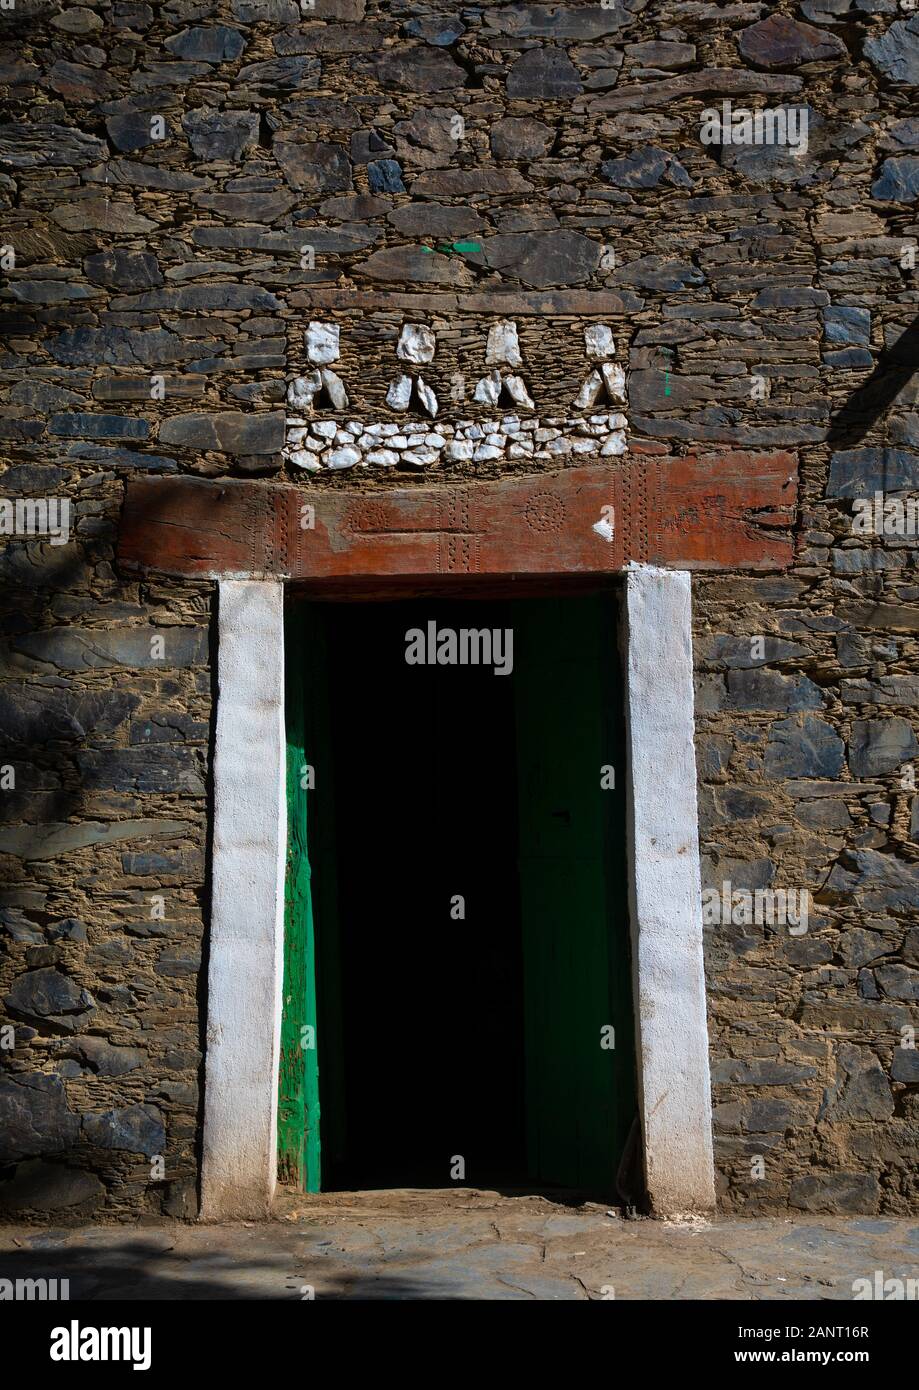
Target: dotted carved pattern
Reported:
[(362, 517), (544, 512)]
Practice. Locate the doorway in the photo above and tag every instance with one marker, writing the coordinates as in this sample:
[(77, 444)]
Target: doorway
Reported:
[(457, 1003)]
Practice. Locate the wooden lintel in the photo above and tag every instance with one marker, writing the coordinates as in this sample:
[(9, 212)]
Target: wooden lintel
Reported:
[(721, 511)]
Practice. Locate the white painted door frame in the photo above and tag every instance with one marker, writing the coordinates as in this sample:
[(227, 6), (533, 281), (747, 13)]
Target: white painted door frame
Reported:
[(245, 969)]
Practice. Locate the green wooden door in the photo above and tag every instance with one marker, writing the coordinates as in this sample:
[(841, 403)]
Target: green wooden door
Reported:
[(298, 1080), (580, 1090)]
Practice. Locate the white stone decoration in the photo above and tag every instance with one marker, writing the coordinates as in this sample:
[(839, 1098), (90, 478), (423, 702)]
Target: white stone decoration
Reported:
[(488, 389), (322, 343), (516, 389), (614, 381), (417, 343), (426, 397), (334, 389), (302, 389), (503, 346), (384, 444), (399, 395), (598, 340)]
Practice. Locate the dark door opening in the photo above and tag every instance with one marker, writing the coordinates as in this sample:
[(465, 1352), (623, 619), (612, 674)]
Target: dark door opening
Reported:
[(464, 878)]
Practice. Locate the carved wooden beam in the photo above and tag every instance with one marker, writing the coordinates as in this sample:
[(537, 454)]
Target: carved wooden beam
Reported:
[(720, 511)]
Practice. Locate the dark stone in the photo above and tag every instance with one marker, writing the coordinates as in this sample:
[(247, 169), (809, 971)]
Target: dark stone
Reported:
[(88, 649), (286, 74), (159, 769), (545, 73), (119, 347), (79, 426), (228, 432), (266, 11), (791, 297), (860, 1091), (544, 258), (906, 1065), (103, 1058), (43, 144), (661, 53), (419, 70), (216, 43), (863, 472), (836, 1194), (878, 746), (36, 715), (658, 273), (220, 134), (177, 962), (49, 1187), (568, 23), (645, 167), (521, 137), (409, 264), (760, 1072), (76, 82), (770, 690), (313, 166), (898, 982), (842, 324), (251, 207), (385, 176), (67, 929), (47, 994), (124, 270), (439, 30), (35, 1118), (131, 130), (804, 746), (782, 42), (366, 145), (738, 652), (135, 1129), (902, 135), (896, 52), (436, 219), (882, 882), (216, 294), (899, 180)]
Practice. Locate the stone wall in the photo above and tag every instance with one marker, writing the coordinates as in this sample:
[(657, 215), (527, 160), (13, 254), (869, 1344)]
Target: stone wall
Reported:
[(186, 187)]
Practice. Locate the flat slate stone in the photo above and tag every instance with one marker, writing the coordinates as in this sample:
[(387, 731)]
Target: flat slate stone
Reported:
[(135, 1129), (216, 134), (546, 73), (47, 992), (782, 42), (229, 432), (896, 52), (313, 166), (899, 180), (804, 746), (215, 43), (419, 70), (645, 167), (568, 23), (544, 258), (35, 1118), (121, 269)]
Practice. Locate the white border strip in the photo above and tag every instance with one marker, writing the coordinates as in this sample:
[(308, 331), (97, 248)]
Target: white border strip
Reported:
[(245, 971), (665, 893)]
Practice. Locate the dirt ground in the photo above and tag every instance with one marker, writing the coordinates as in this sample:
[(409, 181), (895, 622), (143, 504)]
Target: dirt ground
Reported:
[(465, 1244)]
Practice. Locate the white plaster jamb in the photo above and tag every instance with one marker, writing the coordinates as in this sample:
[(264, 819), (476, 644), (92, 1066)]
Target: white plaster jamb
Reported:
[(245, 970), (665, 893)]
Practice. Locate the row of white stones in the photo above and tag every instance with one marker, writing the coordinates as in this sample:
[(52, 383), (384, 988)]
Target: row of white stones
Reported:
[(320, 444)]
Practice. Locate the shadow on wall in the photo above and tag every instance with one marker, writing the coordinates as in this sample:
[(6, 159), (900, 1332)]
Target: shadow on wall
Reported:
[(78, 760)]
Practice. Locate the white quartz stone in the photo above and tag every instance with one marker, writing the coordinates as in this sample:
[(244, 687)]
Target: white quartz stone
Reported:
[(342, 458), (614, 446), (460, 449), (485, 452), (322, 342), (515, 386), (435, 441), (420, 457), (386, 458), (335, 388), (302, 458), (488, 389), (598, 339), (426, 397), (590, 392), (400, 393), (326, 428), (614, 379), (503, 347), (302, 389), (416, 343)]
